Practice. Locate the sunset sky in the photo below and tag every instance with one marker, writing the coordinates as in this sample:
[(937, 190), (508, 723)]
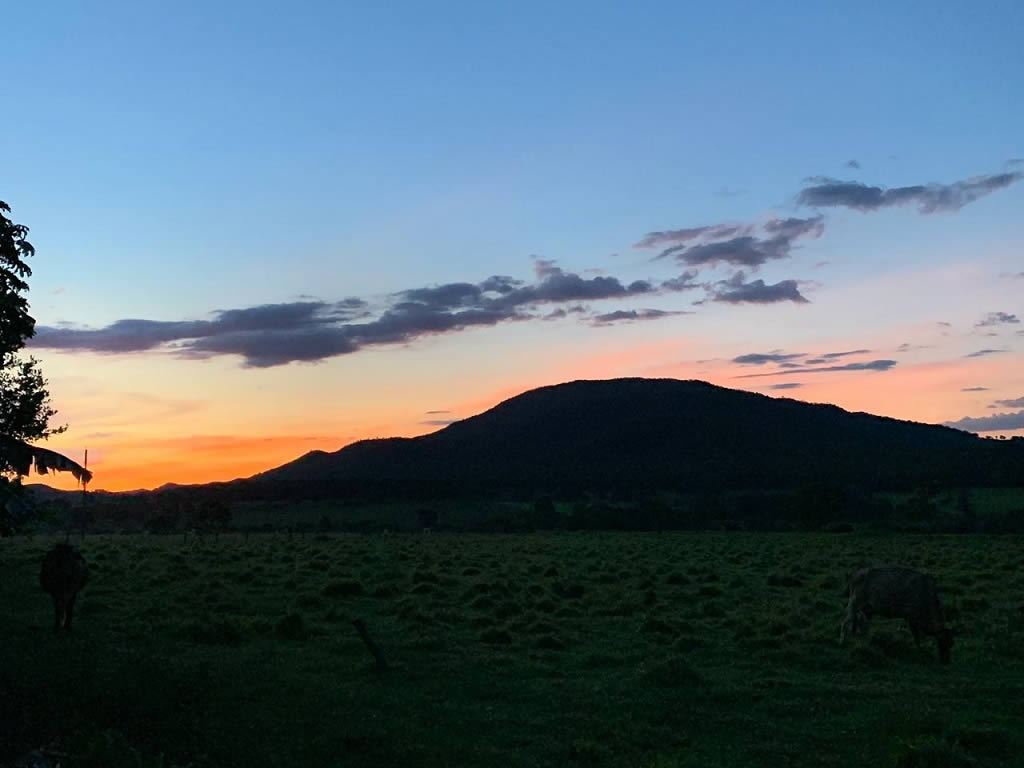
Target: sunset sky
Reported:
[(263, 229)]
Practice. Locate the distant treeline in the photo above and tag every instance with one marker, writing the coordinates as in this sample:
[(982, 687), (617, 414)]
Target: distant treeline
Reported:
[(815, 506)]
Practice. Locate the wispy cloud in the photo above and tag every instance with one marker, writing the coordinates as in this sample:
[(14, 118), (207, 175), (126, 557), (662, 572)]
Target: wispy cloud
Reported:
[(974, 389), (997, 318), (873, 365), (826, 192), (438, 422), (742, 245), (985, 352), (786, 385), (995, 423), (629, 315), (1016, 402), (851, 164), (760, 358)]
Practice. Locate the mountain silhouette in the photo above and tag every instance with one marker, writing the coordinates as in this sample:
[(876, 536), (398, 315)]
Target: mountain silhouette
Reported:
[(637, 436)]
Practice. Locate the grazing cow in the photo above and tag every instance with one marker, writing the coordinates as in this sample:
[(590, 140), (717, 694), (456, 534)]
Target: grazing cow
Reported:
[(894, 592), (63, 574)]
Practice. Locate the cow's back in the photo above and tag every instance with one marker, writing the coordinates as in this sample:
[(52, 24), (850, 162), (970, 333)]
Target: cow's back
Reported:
[(63, 570), (897, 592)]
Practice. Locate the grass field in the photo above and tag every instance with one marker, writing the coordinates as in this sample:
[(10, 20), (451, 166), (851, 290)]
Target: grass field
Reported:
[(506, 650)]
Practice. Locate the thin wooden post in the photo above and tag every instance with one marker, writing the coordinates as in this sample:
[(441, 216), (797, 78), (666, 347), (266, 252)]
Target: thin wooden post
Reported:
[(380, 664)]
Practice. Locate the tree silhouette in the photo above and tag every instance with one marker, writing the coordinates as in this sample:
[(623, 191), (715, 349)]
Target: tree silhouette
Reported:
[(25, 410)]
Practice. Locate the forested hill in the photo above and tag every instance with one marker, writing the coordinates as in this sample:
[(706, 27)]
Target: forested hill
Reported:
[(638, 436)]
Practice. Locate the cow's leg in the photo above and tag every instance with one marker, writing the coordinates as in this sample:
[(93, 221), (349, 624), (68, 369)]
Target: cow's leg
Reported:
[(916, 633), (849, 623), (58, 613), (69, 611)]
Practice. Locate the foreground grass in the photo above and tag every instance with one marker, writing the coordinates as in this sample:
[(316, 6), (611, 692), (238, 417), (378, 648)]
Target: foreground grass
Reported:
[(546, 649)]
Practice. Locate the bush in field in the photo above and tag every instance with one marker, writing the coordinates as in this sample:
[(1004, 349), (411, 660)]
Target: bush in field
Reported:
[(543, 515)]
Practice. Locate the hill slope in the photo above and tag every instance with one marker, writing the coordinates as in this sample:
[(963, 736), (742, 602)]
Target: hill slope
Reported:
[(640, 435)]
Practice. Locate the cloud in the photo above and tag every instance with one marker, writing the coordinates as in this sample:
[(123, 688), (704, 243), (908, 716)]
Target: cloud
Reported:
[(984, 352), (628, 315), (929, 198), (836, 355), (851, 164), (775, 242), (786, 385), (684, 282), (436, 413), (743, 245), (944, 324), (760, 358), (873, 365), (712, 231), (995, 423), (1013, 275), (736, 291), (997, 318), (1017, 402), (974, 389), (438, 422), (309, 331)]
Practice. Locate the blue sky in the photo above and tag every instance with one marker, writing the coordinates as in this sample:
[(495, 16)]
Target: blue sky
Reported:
[(177, 159)]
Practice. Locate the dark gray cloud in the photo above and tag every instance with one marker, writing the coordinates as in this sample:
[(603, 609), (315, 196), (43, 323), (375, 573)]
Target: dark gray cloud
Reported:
[(628, 315), (944, 324), (775, 241), (309, 331), (974, 389), (1013, 275), (438, 422), (736, 290), (787, 385), (437, 413), (984, 352), (711, 232), (743, 245), (685, 282), (996, 423), (1016, 402), (873, 365), (826, 192), (816, 361), (997, 318), (851, 164), (836, 355), (760, 358)]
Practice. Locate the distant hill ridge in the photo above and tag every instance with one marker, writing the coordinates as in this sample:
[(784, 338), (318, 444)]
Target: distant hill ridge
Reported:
[(639, 435)]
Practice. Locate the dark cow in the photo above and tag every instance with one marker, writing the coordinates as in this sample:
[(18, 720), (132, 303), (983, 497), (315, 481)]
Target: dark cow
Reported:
[(894, 592), (63, 574)]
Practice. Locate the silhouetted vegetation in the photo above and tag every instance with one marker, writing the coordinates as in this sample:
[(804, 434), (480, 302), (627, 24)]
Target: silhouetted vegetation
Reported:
[(25, 410)]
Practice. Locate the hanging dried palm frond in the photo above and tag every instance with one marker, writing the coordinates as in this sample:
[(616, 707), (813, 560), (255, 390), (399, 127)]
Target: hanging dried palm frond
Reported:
[(23, 457)]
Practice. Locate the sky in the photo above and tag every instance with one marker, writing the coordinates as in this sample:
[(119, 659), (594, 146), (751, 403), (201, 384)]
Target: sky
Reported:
[(264, 229)]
